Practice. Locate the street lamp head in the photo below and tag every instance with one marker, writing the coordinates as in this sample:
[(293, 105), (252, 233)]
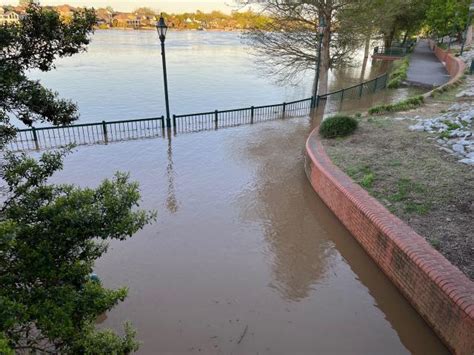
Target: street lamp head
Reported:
[(322, 24), (162, 28)]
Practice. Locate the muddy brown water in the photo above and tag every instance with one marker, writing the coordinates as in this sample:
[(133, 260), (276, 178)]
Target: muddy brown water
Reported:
[(244, 257)]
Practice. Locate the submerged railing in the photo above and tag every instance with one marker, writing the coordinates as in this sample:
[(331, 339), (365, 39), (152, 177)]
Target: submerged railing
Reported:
[(391, 51), (229, 118), (112, 131)]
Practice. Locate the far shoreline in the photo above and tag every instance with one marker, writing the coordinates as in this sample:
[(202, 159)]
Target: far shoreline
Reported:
[(171, 29)]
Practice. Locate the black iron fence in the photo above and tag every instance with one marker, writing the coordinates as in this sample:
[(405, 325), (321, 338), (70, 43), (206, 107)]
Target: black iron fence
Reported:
[(391, 51), (229, 118), (87, 133), (112, 131)]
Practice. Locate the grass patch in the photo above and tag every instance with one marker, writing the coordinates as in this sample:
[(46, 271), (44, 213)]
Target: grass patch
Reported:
[(412, 195), (404, 105), (363, 175), (413, 180), (338, 126), (451, 126), (444, 134), (447, 92), (399, 73), (435, 243)]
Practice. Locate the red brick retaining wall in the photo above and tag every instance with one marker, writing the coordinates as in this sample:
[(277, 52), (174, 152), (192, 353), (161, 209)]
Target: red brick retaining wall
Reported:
[(451, 63), (454, 66), (440, 292)]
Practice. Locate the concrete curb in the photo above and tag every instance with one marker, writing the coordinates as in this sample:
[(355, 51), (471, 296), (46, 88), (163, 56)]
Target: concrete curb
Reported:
[(439, 291)]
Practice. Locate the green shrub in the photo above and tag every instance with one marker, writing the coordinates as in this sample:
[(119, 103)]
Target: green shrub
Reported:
[(404, 105), (337, 126), (398, 74)]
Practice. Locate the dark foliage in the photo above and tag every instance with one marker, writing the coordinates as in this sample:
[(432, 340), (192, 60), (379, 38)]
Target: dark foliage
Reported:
[(338, 126)]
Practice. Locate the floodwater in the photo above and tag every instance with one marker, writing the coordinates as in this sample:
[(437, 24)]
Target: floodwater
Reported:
[(244, 258), (243, 242), (120, 76)]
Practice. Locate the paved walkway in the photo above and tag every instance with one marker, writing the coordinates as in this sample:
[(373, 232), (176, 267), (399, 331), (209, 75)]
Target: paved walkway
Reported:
[(425, 69)]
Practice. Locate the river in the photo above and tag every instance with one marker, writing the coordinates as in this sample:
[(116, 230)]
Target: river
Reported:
[(244, 258)]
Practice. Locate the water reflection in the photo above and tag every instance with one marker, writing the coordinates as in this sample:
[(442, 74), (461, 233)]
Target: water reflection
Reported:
[(300, 256), (171, 201)]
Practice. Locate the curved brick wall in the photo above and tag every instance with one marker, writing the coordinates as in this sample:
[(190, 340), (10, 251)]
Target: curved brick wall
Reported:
[(454, 66), (440, 292)]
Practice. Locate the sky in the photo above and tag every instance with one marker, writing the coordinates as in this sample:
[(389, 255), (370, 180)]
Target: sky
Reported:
[(129, 5)]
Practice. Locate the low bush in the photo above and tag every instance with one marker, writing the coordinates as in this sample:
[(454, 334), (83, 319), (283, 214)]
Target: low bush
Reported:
[(399, 73), (403, 105), (337, 126)]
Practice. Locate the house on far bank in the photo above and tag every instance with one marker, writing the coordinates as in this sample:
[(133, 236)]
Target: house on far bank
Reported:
[(66, 12), (126, 20), (8, 17), (104, 17)]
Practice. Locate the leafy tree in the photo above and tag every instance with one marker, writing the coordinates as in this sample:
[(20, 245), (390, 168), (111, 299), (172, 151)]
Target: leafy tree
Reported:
[(35, 44), (445, 17), (51, 235)]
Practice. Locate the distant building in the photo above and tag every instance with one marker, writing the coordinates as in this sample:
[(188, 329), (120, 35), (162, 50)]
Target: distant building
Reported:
[(126, 20), (8, 17), (66, 12), (104, 17)]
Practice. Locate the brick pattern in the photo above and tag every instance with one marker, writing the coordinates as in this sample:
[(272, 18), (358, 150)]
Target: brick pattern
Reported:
[(440, 292), (454, 66), (451, 63)]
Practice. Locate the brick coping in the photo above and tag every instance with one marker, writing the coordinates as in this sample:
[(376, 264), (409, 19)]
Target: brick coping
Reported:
[(452, 291)]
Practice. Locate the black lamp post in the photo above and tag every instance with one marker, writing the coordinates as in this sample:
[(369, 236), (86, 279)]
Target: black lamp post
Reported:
[(321, 28), (471, 11), (162, 29)]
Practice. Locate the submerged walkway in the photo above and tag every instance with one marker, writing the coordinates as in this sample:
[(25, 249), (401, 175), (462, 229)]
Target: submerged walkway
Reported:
[(425, 69)]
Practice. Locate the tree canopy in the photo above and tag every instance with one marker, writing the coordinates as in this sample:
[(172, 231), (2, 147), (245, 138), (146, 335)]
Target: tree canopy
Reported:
[(51, 235), (40, 39)]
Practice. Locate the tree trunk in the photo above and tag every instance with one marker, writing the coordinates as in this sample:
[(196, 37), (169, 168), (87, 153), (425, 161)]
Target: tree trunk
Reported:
[(325, 55), (364, 68), (367, 46), (469, 36), (388, 38)]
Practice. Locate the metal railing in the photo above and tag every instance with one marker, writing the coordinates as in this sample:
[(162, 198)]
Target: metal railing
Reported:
[(391, 51), (359, 90), (87, 133), (112, 131), (230, 118)]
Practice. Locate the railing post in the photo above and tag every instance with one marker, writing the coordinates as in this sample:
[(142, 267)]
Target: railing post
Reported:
[(342, 95), (361, 88), (284, 109), (162, 122), (174, 121), (375, 86), (252, 114), (216, 119), (312, 102), (35, 137), (104, 129), (317, 100)]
